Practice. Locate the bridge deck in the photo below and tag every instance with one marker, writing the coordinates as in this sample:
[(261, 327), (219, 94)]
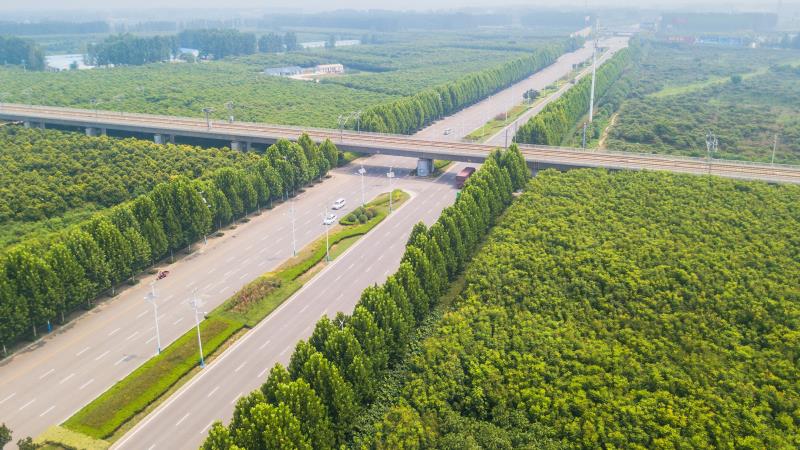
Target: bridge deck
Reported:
[(539, 157)]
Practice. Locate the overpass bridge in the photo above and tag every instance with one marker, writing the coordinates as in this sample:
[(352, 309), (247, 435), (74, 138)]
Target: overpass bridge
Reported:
[(245, 135)]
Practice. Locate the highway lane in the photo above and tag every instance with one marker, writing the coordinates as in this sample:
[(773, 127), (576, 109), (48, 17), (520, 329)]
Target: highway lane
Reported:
[(551, 75), (59, 374), (183, 420), (473, 117)]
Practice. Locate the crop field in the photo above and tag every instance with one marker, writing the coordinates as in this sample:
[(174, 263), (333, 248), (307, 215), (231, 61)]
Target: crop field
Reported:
[(671, 96), (376, 74)]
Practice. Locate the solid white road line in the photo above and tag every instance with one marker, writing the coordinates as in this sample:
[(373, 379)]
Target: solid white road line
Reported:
[(82, 351), (47, 411), (47, 373), (63, 380)]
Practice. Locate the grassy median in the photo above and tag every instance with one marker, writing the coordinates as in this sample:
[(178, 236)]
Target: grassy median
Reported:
[(123, 402)]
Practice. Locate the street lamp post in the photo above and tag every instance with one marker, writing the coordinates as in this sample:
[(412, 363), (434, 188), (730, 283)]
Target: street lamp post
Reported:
[(151, 298), (327, 241), (361, 172), (291, 207), (208, 111), (390, 175), (195, 307), (711, 147), (93, 101)]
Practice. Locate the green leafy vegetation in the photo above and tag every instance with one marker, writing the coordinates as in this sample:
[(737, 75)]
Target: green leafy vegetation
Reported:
[(100, 418), (331, 378), (57, 437), (22, 52), (616, 310), (45, 278)]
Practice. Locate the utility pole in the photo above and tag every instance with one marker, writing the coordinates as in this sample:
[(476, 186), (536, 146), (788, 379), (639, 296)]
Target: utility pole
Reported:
[(774, 148), (711, 147), (208, 111), (229, 106), (584, 136), (195, 306)]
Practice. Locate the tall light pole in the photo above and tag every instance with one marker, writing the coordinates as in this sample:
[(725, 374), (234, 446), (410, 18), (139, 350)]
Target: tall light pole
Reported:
[(208, 111), (291, 207), (93, 101), (327, 241), (390, 176), (594, 77), (151, 298), (361, 172), (194, 303)]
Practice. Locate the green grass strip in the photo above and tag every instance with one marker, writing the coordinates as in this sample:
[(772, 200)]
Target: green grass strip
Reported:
[(105, 414)]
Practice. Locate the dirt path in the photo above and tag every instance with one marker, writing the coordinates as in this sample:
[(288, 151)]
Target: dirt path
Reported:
[(601, 144)]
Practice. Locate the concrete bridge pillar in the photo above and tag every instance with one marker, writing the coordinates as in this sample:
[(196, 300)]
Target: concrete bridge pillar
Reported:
[(242, 146), (93, 131), (164, 139), (31, 124), (424, 167)]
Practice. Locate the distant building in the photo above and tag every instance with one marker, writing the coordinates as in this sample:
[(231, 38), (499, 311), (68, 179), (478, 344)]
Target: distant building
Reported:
[(287, 71), (321, 44), (328, 68), (192, 51)]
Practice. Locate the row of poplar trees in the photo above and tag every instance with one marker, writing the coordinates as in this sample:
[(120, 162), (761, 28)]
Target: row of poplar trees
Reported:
[(410, 114), (557, 120), (332, 378), (44, 280)]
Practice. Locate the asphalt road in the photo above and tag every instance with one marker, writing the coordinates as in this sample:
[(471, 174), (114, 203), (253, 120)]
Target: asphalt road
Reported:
[(48, 382), (183, 420), (465, 121)]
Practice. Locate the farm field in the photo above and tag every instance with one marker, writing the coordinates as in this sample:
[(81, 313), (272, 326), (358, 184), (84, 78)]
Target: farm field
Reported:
[(376, 74), (614, 310), (671, 96)]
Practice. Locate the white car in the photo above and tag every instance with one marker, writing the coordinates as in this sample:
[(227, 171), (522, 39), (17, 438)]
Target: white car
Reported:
[(448, 131), (338, 204), (329, 219)]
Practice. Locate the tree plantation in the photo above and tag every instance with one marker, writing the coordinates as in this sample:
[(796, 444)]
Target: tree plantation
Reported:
[(332, 378), (153, 214), (614, 310)]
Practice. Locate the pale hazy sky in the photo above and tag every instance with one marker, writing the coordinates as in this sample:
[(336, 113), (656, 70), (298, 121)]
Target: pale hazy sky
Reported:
[(316, 5)]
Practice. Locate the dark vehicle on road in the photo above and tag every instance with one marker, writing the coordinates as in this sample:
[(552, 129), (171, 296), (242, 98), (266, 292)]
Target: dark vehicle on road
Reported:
[(462, 176)]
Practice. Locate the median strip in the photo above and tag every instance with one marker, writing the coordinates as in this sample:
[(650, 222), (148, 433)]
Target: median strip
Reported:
[(110, 415)]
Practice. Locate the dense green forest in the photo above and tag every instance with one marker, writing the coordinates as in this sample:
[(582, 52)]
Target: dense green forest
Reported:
[(49, 179), (747, 99), (50, 275), (615, 310), (376, 74), (218, 43), (331, 378), (22, 52), (127, 49)]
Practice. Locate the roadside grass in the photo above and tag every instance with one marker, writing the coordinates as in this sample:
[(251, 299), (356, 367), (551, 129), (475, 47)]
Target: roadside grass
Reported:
[(348, 157), (125, 403), (493, 126), (105, 414), (58, 437)]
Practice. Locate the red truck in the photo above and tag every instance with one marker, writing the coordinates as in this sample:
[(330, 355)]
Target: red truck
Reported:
[(462, 176)]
